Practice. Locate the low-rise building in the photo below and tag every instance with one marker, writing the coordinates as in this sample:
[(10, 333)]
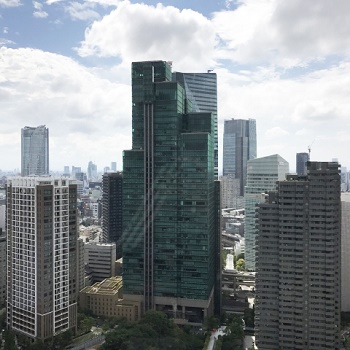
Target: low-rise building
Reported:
[(106, 299), (101, 259)]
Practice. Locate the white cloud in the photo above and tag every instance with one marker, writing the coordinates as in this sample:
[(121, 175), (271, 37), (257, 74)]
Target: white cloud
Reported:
[(285, 33), (5, 30), (5, 42), (105, 2), (88, 117), (10, 3), (81, 11), (312, 106), (40, 14), (50, 2), (140, 32)]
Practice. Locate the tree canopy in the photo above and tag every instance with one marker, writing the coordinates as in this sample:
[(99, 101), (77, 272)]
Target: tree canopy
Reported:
[(153, 332)]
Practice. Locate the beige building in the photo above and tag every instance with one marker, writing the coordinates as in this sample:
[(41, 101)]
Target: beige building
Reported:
[(106, 299), (41, 226)]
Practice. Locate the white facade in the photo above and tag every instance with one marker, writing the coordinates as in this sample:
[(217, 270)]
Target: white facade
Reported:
[(100, 257)]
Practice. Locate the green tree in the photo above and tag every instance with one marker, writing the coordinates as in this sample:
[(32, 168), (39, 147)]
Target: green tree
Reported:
[(9, 340), (240, 265), (249, 317)]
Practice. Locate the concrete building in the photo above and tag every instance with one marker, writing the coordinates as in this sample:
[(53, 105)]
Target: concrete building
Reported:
[(112, 209), (239, 145), (298, 263), (35, 151), (81, 263), (171, 201), (262, 175), (345, 252), (2, 217), (301, 160), (3, 281), (106, 299), (42, 284), (230, 193), (100, 257)]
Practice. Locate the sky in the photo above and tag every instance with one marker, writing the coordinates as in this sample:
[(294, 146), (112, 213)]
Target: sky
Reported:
[(66, 64)]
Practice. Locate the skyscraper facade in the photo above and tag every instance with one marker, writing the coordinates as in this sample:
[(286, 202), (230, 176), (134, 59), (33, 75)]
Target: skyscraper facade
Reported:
[(35, 151), (92, 171), (345, 252), (201, 90), (262, 175), (170, 199), (42, 276), (301, 160), (297, 302), (239, 145), (112, 209)]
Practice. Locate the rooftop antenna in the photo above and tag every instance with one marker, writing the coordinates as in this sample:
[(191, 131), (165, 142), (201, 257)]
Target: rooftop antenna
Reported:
[(209, 70), (309, 148)]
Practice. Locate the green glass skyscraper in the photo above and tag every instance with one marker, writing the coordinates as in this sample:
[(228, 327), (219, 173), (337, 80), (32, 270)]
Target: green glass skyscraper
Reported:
[(171, 202)]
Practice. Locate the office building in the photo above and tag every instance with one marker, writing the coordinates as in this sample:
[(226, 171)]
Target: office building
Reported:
[(100, 257), (112, 209), (75, 170), (297, 303), (262, 175), (201, 90), (42, 285), (2, 268), (114, 166), (66, 171), (35, 151), (170, 200), (239, 146), (230, 193), (301, 160)]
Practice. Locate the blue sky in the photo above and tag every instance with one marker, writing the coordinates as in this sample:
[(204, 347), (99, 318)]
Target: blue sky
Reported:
[(66, 64)]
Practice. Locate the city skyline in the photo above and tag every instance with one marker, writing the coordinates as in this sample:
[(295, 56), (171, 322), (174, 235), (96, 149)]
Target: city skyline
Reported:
[(66, 64)]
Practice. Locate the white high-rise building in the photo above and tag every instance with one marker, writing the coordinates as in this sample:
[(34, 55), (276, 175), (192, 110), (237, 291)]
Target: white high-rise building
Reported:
[(262, 175), (35, 151), (42, 281)]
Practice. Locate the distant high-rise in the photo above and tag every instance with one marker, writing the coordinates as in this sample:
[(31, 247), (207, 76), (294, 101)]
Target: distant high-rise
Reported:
[(298, 271), (92, 171), (112, 209), (66, 171), (239, 146), (301, 160), (114, 166), (42, 276), (262, 175), (35, 151), (201, 90), (171, 259)]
